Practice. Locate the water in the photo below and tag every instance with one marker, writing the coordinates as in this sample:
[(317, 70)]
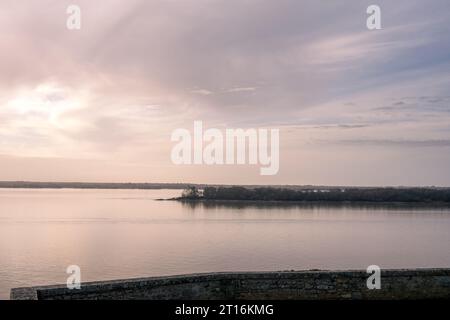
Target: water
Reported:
[(114, 234)]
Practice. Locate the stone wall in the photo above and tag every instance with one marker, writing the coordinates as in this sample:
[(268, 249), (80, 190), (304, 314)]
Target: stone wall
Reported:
[(395, 284)]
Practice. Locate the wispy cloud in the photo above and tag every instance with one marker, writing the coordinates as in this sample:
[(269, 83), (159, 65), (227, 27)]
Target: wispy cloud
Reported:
[(203, 92), (393, 143), (135, 71), (241, 89)]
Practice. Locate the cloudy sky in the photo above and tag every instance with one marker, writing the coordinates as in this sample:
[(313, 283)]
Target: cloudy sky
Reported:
[(354, 107)]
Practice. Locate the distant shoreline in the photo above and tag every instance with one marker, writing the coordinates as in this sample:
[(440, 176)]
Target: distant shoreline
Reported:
[(154, 185), (89, 185), (434, 196)]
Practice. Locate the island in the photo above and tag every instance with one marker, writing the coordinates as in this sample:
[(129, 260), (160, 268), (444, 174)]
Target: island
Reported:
[(416, 195)]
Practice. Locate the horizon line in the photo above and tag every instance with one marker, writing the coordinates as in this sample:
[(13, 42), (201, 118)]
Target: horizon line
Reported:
[(21, 183)]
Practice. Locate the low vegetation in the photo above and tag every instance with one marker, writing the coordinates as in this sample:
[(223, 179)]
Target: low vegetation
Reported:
[(352, 194)]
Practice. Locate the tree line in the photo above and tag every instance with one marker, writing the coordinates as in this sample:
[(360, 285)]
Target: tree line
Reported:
[(353, 194)]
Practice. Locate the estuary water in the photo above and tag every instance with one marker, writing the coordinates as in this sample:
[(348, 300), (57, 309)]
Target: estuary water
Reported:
[(113, 234)]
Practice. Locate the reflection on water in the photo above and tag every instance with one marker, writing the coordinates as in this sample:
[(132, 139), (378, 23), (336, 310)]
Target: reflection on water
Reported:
[(238, 204), (126, 233)]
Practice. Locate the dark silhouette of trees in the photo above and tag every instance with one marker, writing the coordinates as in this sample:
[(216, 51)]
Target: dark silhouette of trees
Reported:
[(352, 194)]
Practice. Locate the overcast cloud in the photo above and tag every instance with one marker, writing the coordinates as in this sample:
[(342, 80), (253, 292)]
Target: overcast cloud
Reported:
[(353, 106)]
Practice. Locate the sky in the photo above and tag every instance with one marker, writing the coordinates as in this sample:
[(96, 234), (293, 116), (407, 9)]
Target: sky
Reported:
[(353, 106)]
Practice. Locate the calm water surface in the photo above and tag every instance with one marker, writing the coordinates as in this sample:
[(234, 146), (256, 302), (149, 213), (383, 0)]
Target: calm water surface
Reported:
[(126, 233)]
